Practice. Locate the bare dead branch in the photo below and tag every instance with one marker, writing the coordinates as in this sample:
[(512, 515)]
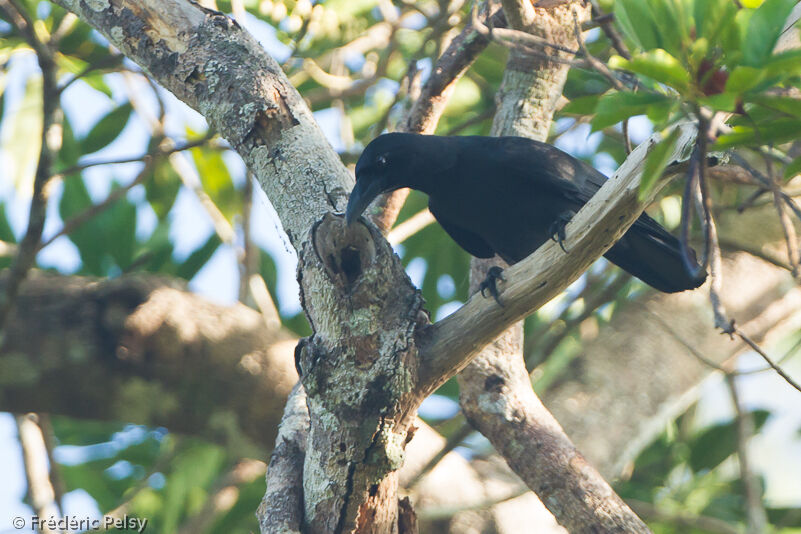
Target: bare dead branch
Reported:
[(37, 473), (742, 335)]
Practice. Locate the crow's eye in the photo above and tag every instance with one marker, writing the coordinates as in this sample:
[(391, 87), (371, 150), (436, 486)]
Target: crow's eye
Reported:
[(381, 161)]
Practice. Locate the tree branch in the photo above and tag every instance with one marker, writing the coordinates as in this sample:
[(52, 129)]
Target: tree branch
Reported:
[(281, 509), (138, 348)]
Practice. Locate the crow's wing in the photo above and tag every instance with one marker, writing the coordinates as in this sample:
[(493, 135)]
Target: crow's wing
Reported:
[(466, 239)]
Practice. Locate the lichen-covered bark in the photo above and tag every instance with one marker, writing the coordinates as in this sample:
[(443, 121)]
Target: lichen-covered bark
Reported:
[(281, 508), (219, 69), (361, 394), (216, 67)]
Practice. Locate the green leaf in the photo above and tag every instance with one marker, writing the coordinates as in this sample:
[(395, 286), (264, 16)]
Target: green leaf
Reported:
[(710, 15), (216, 181), (721, 102), (784, 64), (117, 224), (777, 131), (74, 200), (6, 233), (269, 272), (764, 30), (192, 471), (615, 107), (660, 66), (198, 258), (21, 138), (743, 78), (583, 105), (70, 151), (784, 104), (76, 65), (71, 431), (658, 159), (793, 169), (718, 442), (637, 22), (672, 25), (161, 188), (159, 248), (107, 129)]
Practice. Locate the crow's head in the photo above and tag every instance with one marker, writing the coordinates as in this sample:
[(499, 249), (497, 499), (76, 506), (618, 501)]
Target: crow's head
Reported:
[(392, 161)]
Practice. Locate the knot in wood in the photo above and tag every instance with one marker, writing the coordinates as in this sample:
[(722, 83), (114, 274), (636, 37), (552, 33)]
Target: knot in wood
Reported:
[(345, 251)]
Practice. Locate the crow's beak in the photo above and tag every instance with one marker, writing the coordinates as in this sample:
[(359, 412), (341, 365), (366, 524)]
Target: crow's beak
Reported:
[(363, 193)]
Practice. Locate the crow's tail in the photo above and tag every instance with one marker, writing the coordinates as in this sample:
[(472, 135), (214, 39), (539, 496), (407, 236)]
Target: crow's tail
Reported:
[(653, 255)]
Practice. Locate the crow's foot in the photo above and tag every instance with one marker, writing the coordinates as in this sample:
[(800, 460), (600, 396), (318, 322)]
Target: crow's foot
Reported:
[(490, 283), (557, 228)]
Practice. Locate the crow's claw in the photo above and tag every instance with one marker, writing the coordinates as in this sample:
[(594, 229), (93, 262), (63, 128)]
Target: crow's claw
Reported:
[(490, 283), (557, 229)]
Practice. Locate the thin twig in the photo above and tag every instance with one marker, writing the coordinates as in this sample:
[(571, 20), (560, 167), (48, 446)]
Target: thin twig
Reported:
[(103, 63), (731, 245), (248, 259), (481, 117), (790, 236), (605, 21), (592, 303), (26, 251), (524, 42), (597, 64), (162, 151), (683, 521), (439, 513), (767, 358), (56, 480), (34, 455), (92, 211), (754, 509)]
